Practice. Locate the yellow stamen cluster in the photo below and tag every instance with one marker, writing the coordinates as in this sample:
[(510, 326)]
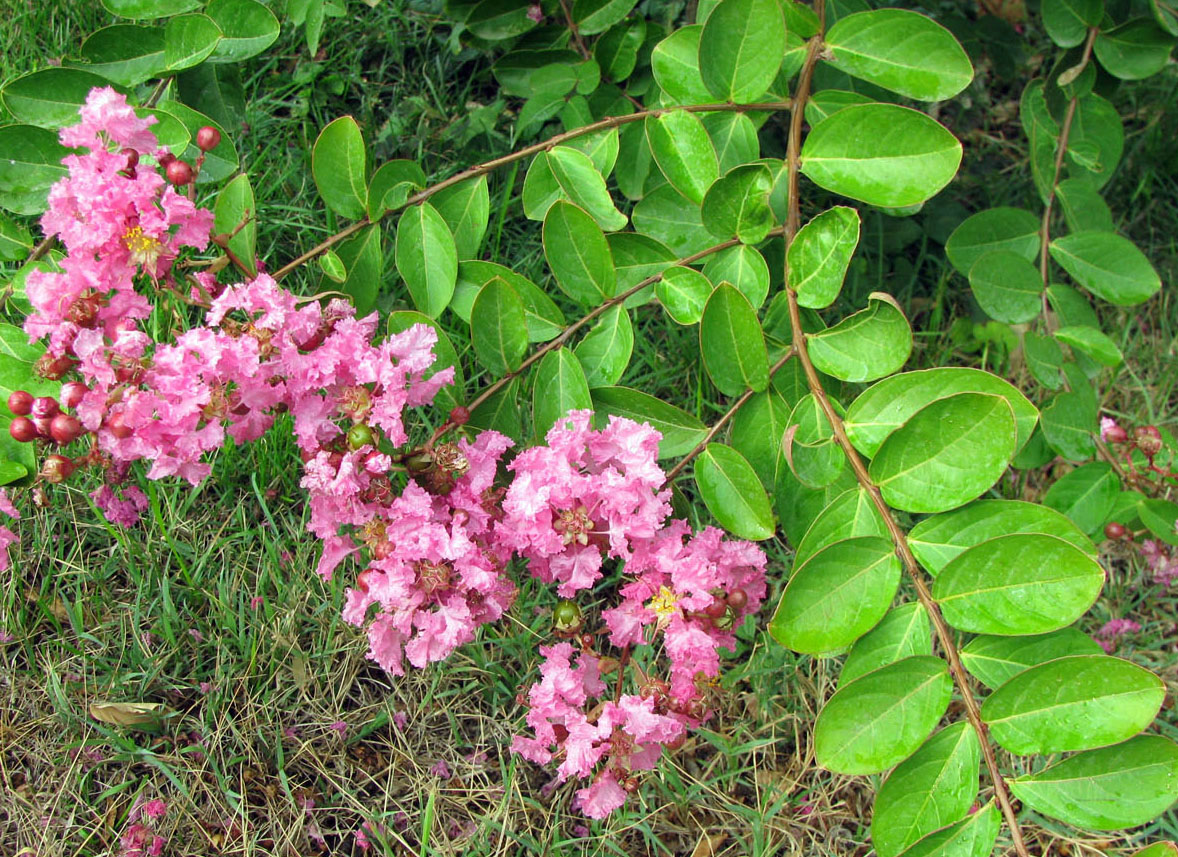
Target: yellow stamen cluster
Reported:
[(145, 250), (664, 603)]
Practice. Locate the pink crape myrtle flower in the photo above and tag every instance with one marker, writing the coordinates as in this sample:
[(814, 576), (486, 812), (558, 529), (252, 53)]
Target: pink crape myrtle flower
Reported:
[(1112, 631), (7, 536), (585, 496)]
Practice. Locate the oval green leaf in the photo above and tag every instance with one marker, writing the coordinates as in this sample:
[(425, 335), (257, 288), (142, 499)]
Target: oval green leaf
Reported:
[(882, 718), (559, 387), (902, 633), (733, 494), (498, 330), (578, 254), (996, 660), (1007, 287), (339, 167), (1108, 265), (732, 344), (741, 47), (426, 258), (819, 256), (684, 152), (681, 431), (870, 344), (605, 351)]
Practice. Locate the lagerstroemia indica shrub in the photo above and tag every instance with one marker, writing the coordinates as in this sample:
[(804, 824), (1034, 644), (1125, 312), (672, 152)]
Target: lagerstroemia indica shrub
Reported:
[(905, 555)]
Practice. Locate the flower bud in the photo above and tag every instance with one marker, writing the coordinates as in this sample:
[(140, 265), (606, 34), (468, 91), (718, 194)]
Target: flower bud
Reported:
[(459, 416), (119, 428), (208, 138), (20, 402), (1114, 531), (359, 436), (179, 173), (1148, 439), (72, 393), (566, 616), (737, 598), (45, 407), (23, 430), (65, 429)]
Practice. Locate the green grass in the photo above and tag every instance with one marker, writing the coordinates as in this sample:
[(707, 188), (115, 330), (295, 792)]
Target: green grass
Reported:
[(168, 613)]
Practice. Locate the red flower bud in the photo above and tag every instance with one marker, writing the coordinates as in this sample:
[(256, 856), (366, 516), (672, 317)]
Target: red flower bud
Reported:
[(20, 402), (45, 407), (179, 173), (57, 468), (208, 138), (23, 430), (65, 429)]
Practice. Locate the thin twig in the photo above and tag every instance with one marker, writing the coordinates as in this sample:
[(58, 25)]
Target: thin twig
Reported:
[(723, 421), (564, 336), (898, 537), (527, 152)]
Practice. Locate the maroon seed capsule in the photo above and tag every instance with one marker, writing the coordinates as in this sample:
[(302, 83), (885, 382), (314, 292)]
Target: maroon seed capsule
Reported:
[(43, 424), (1114, 531), (737, 598), (179, 173), (20, 402), (72, 393), (45, 407), (208, 138), (23, 430), (65, 429), (117, 426), (166, 159)]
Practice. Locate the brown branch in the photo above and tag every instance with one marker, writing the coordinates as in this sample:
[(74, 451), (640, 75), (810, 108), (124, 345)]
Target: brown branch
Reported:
[(895, 531), (564, 336), (1060, 152), (723, 421), (578, 42), (527, 152)]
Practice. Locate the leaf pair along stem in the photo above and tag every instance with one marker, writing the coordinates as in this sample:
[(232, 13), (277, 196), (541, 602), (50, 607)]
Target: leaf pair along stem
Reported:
[(527, 152), (895, 531)]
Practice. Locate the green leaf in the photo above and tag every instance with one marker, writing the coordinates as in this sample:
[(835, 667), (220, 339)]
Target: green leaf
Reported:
[(827, 101), (1067, 21), (899, 50), (426, 258), (637, 258), (391, 185), (741, 47), (902, 633), (1013, 230), (50, 98), (1096, 142), (733, 494), (248, 28), (605, 351), (1135, 50), (339, 166), (169, 130), (675, 63), (216, 90), (1159, 517), (1107, 789), (235, 206), (734, 137), (681, 431), (683, 292), (30, 162), (1158, 849), (466, 208), (938, 540), (819, 256), (1068, 422), (996, 660), (189, 40), (633, 167), (837, 595), (669, 217), (867, 345), (597, 16), (450, 395), (1166, 14), (567, 174), (1026, 583), (1090, 341), (1042, 134), (17, 359), (756, 434), (1007, 287), (683, 152), (545, 320), (973, 836), (732, 344), (498, 330), (886, 406), (617, 51), (1073, 703), (144, 9), (1086, 495), (1109, 266), (578, 254), (880, 719), (495, 20), (1083, 207), (881, 154), (559, 387), (333, 267), (127, 54), (850, 515), (947, 454), (15, 241), (363, 257), (936, 785), (743, 267), (738, 203)]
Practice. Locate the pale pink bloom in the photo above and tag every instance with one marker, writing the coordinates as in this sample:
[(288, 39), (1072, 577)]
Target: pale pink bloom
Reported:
[(6, 505), (440, 769), (123, 511), (602, 797), (1106, 424), (339, 727), (1111, 631)]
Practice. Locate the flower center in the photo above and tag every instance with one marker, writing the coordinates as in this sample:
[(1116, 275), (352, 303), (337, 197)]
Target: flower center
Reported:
[(145, 250), (574, 525), (663, 604)]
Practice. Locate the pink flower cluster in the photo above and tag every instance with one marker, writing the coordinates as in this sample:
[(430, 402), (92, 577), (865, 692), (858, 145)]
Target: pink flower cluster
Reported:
[(139, 839), (1161, 561), (435, 534), (1112, 631)]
